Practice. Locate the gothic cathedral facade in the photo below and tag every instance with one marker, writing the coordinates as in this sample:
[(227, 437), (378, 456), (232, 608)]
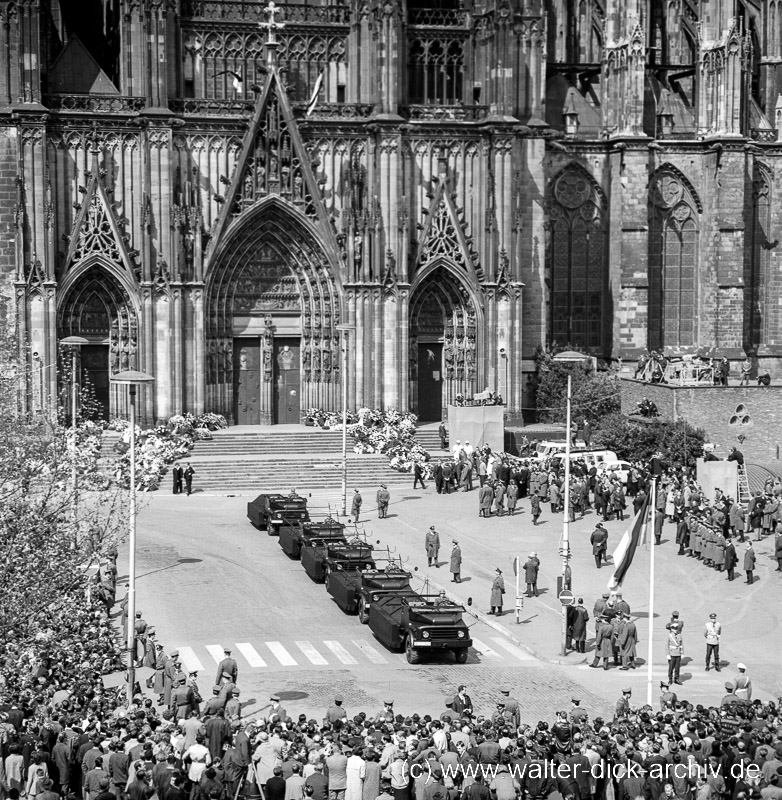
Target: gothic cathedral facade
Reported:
[(266, 205)]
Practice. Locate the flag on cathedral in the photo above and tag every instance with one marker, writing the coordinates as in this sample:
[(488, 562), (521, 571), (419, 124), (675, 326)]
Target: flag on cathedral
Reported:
[(628, 544), (315, 92)]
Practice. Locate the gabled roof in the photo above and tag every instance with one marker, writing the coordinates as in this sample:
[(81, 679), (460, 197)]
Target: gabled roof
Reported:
[(76, 72)]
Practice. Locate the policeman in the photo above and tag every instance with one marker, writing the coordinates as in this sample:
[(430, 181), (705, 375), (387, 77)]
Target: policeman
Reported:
[(182, 700), (227, 669), (511, 709), (336, 712)]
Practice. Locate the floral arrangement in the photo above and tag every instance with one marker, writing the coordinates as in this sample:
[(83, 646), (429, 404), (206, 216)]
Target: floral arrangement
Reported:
[(157, 448), (389, 432)]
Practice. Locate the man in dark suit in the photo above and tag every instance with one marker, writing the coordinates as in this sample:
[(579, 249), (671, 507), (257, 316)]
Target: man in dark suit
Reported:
[(189, 472), (731, 559), (176, 473)]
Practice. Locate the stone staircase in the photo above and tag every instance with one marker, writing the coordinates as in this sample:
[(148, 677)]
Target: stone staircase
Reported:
[(253, 460)]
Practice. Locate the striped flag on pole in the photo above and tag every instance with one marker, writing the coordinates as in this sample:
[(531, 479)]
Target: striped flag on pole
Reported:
[(315, 92), (628, 544)]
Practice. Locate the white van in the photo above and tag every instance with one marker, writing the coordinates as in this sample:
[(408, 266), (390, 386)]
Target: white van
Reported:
[(592, 458), (545, 449)]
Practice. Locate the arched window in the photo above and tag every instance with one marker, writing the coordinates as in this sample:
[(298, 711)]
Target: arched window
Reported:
[(673, 260), (757, 307), (578, 261)]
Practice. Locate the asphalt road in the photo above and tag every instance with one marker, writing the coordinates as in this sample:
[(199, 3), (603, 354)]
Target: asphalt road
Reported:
[(207, 580)]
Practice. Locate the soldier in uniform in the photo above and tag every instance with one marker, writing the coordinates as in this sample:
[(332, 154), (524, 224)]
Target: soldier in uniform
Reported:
[(628, 638), (233, 708), (182, 701), (383, 499), (603, 647), (456, 563), (197, 699), (277, 709), (511, 709), (214, 703), (169, 672), (335, 712), (578, 716), (668, 699), (140, 627), (355, 507), (432, 544), (227, 669), (623, 705)]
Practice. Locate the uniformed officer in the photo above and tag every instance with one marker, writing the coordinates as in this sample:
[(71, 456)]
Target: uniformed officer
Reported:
[(182, 701), (169, 671), (336, 711), (227, 669), (192, 679), (511, 708), (668, 699), (623, 705), (276, 708), (387, 713), (214, 703), (233, 708), (578, 716)]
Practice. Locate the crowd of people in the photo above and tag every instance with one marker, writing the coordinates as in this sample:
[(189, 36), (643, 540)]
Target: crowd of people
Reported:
[(62, 735)]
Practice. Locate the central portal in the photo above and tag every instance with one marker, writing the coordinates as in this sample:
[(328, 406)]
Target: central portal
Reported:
[(287, 381), (272, 310)]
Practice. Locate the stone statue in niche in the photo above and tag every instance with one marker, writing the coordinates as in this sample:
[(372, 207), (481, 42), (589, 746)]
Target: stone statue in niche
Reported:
[(315, 362), (450, 357), (243, 359), (358, 248), (189, 244), (326, 363), (132, 350), (306, 354), (297, 186)]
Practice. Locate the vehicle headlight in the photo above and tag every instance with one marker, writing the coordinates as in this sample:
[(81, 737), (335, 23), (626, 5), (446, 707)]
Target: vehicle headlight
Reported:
[(425, 634), (460, 634), (375, 598)]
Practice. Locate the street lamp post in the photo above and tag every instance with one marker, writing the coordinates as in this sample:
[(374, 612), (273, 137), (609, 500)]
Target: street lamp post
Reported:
[(344, 329), (75, 343), (132, 379)]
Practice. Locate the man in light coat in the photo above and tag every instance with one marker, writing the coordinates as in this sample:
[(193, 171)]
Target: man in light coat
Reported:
[(432, 543), (711, 632), (456, 563)]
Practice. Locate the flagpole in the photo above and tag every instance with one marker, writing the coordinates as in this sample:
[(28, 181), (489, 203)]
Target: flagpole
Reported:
[(650, 539), (566, 521)]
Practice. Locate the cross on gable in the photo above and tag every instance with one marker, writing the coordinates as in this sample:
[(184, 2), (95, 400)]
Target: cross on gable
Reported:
[(271, 25)]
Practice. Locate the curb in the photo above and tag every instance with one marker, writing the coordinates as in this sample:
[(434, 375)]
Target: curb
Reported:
[(482, 617)]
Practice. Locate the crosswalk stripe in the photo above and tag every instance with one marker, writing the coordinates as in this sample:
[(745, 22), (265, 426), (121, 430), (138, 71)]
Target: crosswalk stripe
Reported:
[(311, 653), (216, 651), (512, 649), (484, 649), (281, 654), (190, 659), (251, 654), (340, 652), (370, 652)]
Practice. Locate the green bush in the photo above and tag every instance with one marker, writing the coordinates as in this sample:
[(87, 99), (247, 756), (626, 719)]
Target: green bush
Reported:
[(634, 440)]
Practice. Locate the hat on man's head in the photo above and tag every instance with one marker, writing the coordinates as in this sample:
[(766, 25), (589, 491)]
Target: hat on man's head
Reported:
[(712, 616), (741, 666)]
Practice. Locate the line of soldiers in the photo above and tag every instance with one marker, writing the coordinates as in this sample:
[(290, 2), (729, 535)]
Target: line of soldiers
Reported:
[(698, 537), (176, 690)]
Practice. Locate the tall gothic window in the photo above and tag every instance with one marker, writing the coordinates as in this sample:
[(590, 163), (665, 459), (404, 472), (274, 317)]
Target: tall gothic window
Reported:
[(435, 71), (578, 261), (758, 308), (673, 261)]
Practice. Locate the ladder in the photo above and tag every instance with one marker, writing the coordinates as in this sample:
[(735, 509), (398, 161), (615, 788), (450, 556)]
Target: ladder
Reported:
[(743, 487)]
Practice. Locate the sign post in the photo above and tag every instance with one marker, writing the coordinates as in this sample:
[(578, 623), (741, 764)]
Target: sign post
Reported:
[(567, 599), (519, 600)]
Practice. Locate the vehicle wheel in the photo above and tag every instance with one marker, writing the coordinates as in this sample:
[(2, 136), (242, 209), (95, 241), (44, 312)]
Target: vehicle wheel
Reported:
[(326, 573), (363, 614), (461, 655), (413, 656)]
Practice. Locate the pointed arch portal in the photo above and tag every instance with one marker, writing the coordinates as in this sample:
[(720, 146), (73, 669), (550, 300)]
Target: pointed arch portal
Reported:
[(96, 306), (272, 306), (444, 327)]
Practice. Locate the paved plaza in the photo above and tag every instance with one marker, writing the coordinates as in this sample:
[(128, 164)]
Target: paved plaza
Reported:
[(208, 580)]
